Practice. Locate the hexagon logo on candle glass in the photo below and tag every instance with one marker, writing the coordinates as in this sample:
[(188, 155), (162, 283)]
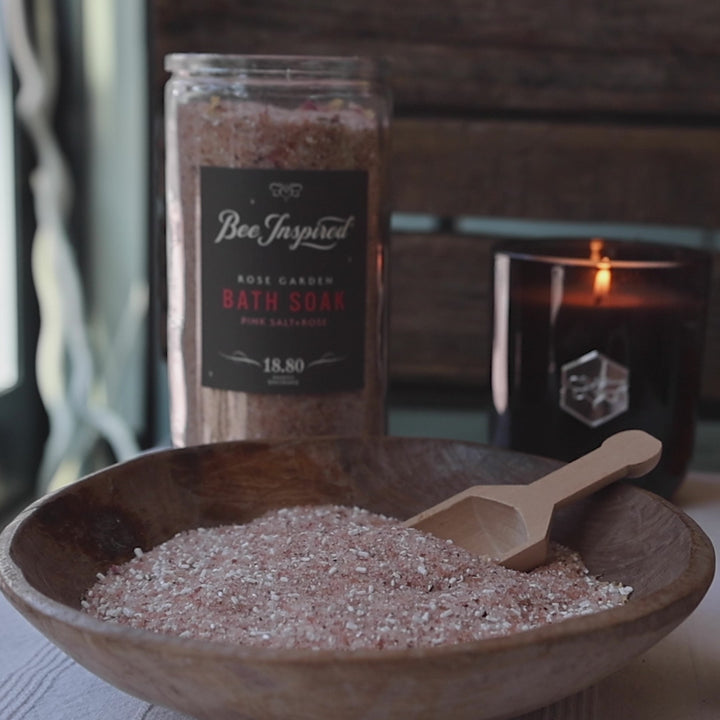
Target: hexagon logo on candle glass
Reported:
[(594, 389)]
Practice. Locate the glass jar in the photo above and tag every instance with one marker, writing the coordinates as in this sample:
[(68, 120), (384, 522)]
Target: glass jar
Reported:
[(592, 337), (277, 226)]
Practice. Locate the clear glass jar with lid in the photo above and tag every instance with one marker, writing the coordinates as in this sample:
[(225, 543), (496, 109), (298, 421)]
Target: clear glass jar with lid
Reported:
[(277, 226)]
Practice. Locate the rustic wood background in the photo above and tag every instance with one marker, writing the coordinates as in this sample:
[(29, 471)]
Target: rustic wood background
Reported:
[(592, 112)]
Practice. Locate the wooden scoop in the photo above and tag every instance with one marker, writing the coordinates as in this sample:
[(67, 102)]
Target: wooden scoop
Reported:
[(511, 523)]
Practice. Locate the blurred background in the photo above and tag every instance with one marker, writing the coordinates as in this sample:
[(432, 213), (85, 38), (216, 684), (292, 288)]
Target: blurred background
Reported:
[(607, 123), (77, 370)]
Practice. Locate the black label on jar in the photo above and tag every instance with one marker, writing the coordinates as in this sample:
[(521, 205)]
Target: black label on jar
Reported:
[(283, 256)]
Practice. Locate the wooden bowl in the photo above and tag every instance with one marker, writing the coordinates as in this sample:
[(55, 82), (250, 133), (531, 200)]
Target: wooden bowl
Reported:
[(50, 554)]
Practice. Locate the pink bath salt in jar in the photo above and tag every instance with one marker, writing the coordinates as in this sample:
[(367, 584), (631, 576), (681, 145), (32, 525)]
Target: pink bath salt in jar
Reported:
[(277, 227)]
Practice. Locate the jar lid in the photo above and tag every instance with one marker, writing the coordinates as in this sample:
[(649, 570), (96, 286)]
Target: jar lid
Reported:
[(284, 67)]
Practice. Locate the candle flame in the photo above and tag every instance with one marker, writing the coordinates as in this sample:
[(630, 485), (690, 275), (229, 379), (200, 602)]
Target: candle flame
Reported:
[(596, 246), (603, 279)]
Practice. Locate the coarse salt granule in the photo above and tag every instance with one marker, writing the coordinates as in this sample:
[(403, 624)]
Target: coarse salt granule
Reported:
[(329, 577)]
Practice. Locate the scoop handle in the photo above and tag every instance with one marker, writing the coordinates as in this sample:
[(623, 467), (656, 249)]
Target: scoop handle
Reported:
[(631, 453)]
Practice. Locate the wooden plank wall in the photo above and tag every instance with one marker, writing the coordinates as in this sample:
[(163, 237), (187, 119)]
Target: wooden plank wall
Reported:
[(593, 112)]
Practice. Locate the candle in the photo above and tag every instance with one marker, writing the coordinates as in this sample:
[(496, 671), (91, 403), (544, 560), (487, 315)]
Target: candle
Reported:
[(591, 337)]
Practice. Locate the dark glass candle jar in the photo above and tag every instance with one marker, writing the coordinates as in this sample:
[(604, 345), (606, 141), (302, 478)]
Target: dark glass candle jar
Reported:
[(591, 337), (277, 227)]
